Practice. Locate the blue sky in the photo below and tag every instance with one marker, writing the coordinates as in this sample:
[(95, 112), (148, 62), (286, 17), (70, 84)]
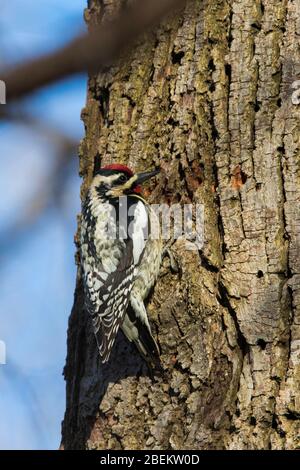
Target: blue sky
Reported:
[(37, 271)]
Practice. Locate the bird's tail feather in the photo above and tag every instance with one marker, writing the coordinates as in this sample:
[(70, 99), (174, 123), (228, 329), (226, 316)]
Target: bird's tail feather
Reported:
[(138, 332)]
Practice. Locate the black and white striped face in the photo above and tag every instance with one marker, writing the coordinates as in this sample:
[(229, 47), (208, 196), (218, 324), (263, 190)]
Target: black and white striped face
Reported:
[(118, 180), (110, 183)]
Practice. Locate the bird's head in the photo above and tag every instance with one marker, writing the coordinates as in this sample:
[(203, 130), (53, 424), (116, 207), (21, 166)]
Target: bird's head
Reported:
[(118, 180)]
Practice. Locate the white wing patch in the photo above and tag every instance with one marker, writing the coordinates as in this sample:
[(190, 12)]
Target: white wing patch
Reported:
[(138, 229)]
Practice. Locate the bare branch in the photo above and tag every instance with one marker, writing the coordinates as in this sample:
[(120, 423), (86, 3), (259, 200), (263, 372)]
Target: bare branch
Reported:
[(89, 52), (52, 133), (47, 191)]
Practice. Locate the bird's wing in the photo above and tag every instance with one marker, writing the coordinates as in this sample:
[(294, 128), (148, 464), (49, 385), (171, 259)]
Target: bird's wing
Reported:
[(112, 301), (110, 280)]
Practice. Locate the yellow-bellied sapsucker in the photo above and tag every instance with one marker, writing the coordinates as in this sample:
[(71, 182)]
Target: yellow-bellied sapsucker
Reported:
[(120, 258)]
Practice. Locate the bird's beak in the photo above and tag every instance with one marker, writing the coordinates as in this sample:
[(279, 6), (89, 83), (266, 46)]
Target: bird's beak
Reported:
[(142, 177)]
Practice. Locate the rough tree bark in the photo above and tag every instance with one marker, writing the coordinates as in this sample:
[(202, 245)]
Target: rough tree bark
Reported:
[(208, 97)]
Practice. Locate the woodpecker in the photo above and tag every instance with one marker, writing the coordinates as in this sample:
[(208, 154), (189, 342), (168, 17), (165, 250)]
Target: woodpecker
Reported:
[(120, 259)]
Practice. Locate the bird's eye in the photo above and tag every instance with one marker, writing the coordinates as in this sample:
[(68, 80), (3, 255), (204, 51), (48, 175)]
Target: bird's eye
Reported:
[(123, 179)]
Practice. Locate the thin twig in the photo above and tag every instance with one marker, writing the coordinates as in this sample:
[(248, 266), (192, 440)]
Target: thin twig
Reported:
[(17, 114), (48, 191)]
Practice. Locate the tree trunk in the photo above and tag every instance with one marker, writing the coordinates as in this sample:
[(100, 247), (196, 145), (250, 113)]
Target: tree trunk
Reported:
[(208, 97)]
